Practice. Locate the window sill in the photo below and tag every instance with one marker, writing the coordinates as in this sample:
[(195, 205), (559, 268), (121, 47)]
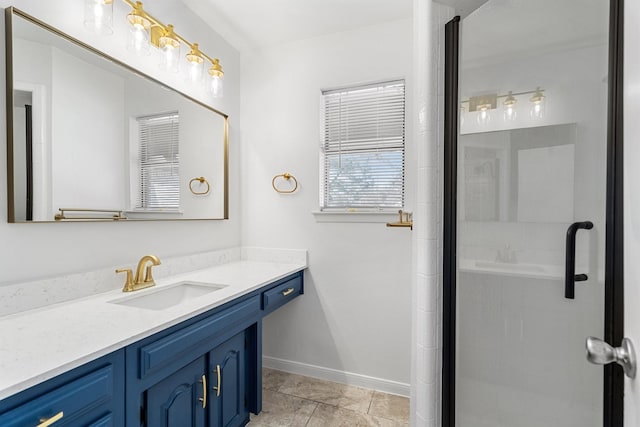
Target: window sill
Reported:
[(361, 216)]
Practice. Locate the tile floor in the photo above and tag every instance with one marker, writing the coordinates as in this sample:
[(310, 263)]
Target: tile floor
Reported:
[(297, 401)]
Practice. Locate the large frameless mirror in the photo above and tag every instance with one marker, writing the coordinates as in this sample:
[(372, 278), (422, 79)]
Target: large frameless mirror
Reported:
[(89, 138)]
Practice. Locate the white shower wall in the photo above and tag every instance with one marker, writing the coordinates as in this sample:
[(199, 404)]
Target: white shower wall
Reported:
[(429, 20)]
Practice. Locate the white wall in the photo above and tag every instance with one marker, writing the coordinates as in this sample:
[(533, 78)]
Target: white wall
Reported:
[(632, 199), (92, 132), (32, 251), (355, 315)]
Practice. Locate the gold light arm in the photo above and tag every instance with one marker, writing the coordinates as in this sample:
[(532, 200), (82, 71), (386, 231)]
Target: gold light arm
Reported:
[(155, 35)]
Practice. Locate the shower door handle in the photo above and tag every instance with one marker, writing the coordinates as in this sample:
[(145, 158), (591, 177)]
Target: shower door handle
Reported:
[(601, 353), (570, 276)]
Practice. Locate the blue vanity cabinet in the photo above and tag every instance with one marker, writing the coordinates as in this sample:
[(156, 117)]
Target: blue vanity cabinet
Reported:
[(228, 372), (90, 395), (180, 399), (161, 380), (212, 388), (162, 365), (282, 291)]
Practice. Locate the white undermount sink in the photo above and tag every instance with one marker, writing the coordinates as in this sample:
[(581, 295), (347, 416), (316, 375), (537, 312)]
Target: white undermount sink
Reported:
[(168, 296)]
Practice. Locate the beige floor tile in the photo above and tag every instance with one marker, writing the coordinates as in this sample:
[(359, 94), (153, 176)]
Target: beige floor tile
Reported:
[(272, 379), (344, 396), (332, 416), (389, 406), (280, 410)]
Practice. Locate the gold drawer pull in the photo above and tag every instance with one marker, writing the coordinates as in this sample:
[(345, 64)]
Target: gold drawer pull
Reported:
[(218, 389), (56, 417), (287, 292), (203, 399)]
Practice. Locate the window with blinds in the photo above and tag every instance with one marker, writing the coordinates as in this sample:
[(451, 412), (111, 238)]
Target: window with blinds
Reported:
[(363, 147), (159, 167)]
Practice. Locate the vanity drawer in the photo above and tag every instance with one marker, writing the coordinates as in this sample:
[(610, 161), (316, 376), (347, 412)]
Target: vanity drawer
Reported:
[(72, 403), (282, 293), (191, 340)]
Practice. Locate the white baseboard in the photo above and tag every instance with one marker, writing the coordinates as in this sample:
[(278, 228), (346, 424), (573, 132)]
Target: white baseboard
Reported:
[(358, 380)]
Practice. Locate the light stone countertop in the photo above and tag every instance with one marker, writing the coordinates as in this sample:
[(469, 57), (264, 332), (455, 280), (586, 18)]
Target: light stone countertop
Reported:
[(39, 344)]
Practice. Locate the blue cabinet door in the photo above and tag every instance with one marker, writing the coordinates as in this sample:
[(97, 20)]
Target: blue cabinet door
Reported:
[(228, 370), (178, 400)]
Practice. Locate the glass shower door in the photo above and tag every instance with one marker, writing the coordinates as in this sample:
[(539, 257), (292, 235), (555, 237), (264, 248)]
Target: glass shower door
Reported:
[(531, 162)]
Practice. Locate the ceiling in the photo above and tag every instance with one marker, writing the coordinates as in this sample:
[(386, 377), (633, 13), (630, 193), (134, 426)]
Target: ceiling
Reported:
[(508, 28), (489, 29), (251, 24)]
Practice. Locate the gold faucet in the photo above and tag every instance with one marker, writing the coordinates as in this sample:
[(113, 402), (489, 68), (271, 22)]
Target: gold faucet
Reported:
[(140, 282)]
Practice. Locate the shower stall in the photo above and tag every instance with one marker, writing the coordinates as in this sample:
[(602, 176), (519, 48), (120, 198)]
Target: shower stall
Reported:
[(532, 237)]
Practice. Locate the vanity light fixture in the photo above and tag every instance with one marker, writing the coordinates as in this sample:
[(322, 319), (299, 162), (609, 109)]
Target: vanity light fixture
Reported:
[(484, 114), (140, 31), (509, 108), (147, 31), (169, 45), (483, 104), (538, 104), (196, 64), (215, 72), (98, 16)]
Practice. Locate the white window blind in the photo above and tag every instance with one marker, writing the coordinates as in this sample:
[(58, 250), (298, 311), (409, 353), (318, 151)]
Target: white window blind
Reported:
[(363, 147), (159, 162)]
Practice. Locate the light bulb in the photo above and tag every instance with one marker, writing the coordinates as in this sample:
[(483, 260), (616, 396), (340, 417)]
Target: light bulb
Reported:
[(216, 85), (139, 42), (509, 108), (98, 16), (195, 65), (538, 106), (170, 47), (484, 114)]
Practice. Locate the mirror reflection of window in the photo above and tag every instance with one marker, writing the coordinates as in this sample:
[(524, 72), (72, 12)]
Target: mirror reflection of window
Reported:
[(158, 162)]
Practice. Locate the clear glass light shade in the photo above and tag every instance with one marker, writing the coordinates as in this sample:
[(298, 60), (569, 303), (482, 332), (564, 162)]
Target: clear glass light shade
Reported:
[(217, 86), (538, 105), (195, 65), (195, 71), (538, 109), (484, 114), (509, 105), (139, 40), (98, 16), (170, 54)]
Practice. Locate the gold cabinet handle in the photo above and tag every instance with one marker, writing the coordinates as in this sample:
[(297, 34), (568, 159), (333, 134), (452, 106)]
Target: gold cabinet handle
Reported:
[(203, 399), (48, 422), (287, 292), (218, 388)]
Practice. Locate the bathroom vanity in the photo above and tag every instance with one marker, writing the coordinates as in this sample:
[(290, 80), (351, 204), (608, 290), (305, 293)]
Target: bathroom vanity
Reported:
[(197, 361)]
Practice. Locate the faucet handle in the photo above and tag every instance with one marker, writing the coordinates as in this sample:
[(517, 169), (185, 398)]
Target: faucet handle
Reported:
[(128, 284), (148, 277)]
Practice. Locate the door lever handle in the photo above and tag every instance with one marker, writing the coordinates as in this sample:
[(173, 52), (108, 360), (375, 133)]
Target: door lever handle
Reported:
[(601, 353)]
